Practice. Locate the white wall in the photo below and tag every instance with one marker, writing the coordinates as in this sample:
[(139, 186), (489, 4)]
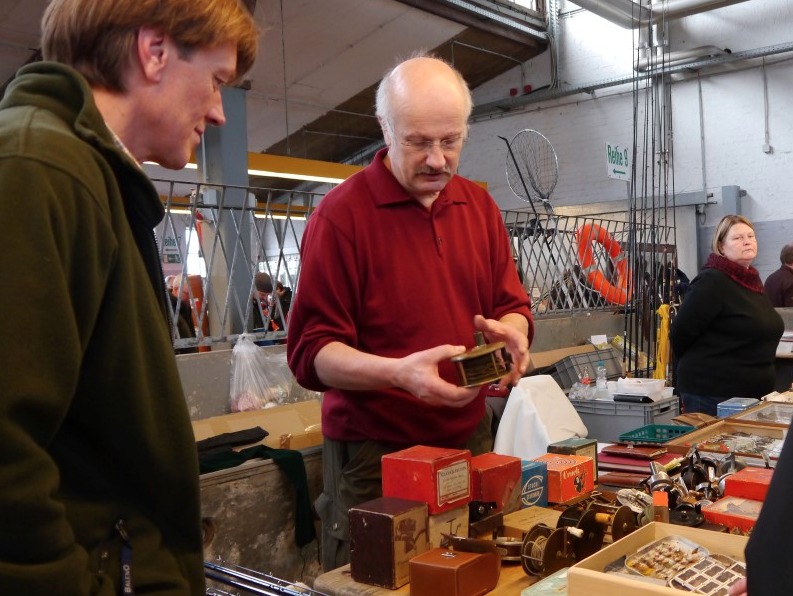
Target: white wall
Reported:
[(723, 148)]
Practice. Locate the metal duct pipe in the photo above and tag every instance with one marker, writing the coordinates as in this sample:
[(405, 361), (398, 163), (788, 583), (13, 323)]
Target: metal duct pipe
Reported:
[(681, 57), (631, 15)]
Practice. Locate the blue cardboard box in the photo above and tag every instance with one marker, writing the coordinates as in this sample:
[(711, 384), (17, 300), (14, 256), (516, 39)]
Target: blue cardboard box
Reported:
[(534, 484)]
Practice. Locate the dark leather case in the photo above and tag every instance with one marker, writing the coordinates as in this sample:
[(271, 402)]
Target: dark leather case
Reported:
[(443, 572)]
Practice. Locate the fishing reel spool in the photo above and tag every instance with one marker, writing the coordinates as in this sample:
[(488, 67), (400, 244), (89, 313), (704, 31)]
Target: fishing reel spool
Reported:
[(485, 363), (546, 550)]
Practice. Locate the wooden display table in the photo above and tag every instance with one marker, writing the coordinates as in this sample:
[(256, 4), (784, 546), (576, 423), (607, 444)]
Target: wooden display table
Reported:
[(511, 581), (339, 583)]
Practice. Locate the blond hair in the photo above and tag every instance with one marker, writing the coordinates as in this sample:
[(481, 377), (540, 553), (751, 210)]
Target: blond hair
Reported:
[(98, 37), (723, 228)]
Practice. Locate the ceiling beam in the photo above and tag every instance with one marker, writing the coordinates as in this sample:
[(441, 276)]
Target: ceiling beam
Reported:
[(522, 27)]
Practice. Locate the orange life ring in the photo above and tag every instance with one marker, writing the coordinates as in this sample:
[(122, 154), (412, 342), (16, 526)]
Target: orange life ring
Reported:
[(616, 294)]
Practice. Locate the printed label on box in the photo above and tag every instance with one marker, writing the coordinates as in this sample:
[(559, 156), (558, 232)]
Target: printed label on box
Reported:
[(453, 522), (453, 482), (534, 484)]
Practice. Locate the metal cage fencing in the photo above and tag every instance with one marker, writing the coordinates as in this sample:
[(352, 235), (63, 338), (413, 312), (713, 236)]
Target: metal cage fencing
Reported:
[(576, 263), (215, 241), (583, 263)]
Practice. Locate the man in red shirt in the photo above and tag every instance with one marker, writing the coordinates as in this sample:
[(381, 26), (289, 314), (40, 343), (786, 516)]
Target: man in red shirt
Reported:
[(400, 265)]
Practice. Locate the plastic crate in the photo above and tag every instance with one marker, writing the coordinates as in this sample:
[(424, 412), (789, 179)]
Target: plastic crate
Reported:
[(606, 419), (655, 433), (566, 371)]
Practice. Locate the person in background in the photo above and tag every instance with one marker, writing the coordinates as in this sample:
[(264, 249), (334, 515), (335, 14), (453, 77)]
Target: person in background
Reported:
[(725, 334), (281, 302), (182, 311), (779, 285), (263, 289), (400, 265), (99, 485)]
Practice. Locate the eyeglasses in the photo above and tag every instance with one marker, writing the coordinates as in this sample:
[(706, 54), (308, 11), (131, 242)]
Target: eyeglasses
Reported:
[(448, 145)]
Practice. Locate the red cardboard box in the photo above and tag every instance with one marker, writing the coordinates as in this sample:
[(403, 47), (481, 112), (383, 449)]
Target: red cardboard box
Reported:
[(569, 476), (496, 477), (439, 477), (749, 483), (736, 513)]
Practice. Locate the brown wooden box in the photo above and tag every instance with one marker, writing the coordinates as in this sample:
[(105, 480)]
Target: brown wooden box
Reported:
[(698, 436), (587, 577), (385, 534), (442, 572)]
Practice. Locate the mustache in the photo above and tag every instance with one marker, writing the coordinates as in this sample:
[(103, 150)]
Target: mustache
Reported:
[(443, 170)]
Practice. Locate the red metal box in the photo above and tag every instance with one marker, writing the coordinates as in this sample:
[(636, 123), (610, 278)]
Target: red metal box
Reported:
[(439, 477), (569, 476), (749, 483), (496, 478), (385, 534), (737, 513)]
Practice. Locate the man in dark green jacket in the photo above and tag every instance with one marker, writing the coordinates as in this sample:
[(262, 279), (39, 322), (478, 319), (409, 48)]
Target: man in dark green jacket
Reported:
[(99, 485)]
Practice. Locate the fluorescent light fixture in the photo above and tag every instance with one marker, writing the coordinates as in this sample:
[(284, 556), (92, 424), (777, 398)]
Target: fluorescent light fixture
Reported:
[(279, 216), (179, 211), (286, 175), (306, 177)]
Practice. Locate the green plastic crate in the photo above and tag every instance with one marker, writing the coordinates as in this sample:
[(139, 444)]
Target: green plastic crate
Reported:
[(655, 433)]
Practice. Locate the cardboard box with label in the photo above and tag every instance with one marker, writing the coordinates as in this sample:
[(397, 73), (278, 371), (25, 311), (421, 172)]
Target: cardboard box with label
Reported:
[(290, 426), (569, 476), (533, 483), (385, 534), (578, 446), (439, 477), (496, 478), (453, 522)]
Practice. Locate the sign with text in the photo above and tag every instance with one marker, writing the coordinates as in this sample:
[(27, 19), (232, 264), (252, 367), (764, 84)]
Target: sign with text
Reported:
[(618, 162)]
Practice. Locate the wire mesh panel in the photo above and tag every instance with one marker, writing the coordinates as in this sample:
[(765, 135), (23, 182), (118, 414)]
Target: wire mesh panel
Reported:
[(214, 242), (570, 264)]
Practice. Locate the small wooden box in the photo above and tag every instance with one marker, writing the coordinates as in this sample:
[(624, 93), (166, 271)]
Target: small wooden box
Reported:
[(385, 534), (587, 577), (496, 478), (443, 572), (700, 436), (569, 476), (439, 477)]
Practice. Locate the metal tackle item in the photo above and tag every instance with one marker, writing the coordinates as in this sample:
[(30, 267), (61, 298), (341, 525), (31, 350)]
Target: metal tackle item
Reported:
[(250, 581), (484, 518), (547, 550), (485, 363)]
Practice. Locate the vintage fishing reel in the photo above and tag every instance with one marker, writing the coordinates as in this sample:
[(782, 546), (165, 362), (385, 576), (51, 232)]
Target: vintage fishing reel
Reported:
[(546, 550), (485, 363)]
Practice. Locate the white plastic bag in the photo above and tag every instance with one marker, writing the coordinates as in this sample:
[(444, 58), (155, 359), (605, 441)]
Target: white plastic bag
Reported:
[(250, 387)]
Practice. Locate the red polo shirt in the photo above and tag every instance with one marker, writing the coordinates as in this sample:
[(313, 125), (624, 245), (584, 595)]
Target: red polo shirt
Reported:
[(384, 275)]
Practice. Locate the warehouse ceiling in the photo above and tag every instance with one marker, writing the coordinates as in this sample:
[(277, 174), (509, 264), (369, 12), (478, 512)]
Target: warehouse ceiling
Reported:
[(311, 92)]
